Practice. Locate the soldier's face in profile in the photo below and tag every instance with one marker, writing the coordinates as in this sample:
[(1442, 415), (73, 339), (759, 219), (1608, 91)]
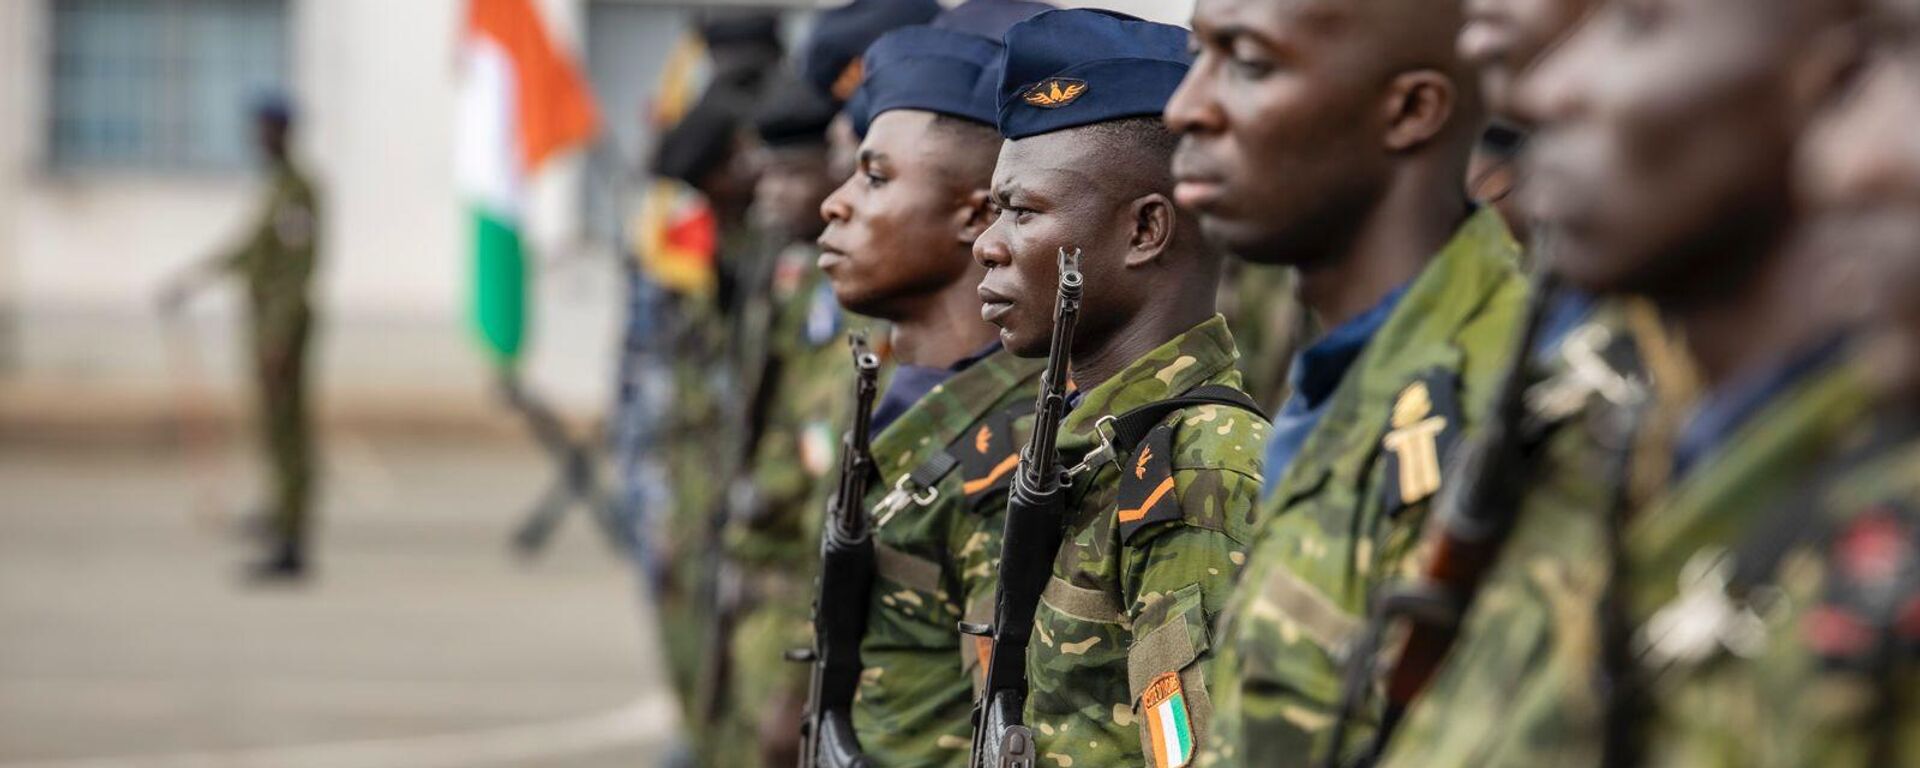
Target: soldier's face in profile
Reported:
[(1661, 159), (1280, 125), (894, 226), (1047, 199), (1862, 171), (1503, 38)]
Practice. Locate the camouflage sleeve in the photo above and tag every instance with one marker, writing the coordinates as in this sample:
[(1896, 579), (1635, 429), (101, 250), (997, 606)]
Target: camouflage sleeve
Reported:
[(976, 554), (1178, 572)]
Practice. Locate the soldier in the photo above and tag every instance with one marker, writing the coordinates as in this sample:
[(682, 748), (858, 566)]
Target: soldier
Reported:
[(897, 248), (801, 373), (1118, 667), (1666, 172), (1502, 39), (1333, 136), (277, 261)]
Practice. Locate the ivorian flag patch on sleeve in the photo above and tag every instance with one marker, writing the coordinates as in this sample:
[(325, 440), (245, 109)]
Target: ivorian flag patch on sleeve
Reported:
[(1146, 484), (988, 455), (1169, 729)]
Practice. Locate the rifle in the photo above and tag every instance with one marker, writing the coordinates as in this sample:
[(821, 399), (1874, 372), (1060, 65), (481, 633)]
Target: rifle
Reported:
[(738, 499), (1475, 515), (846, 572), (1036, 521)]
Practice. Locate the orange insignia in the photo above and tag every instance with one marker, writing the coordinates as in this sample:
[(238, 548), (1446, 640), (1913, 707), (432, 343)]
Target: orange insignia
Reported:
[(1140, 464), (849, 79), (1055, 92), (983, 439)]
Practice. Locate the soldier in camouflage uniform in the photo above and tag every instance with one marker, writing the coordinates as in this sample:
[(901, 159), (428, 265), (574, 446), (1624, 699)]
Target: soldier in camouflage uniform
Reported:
[(1118, 666), (277, 260), (771, 545), (898, 248), (1726, 620), (1417, 290), (703, 151)]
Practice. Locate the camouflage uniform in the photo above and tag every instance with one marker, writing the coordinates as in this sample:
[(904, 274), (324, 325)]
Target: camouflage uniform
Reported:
[(1535, 619), (1345, 516), (1268, 324), (277, 261), (1143, 571), (705, 349), (936, 559), (1751, 690), (775, 550)]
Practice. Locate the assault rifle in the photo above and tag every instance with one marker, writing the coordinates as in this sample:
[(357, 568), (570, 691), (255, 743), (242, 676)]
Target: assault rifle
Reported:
[(846, 579), (1036, 521)]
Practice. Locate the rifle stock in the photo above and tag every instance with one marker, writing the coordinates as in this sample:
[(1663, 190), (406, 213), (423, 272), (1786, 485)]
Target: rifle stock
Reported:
[(1036, 520), (846, 579)]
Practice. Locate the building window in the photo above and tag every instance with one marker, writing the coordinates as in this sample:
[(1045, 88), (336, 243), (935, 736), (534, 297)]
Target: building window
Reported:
[(161, 84)]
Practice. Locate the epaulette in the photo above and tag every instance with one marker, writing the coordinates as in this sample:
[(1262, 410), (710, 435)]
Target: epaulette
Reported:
[(1145, 438), (1146, 484), (989, 452), (1422, 429)]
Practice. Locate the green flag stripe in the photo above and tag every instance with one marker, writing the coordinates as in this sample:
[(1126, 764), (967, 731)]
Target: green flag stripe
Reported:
[(499, 286)]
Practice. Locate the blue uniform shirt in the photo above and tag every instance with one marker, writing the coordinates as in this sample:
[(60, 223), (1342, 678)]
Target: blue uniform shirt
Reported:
[(1316, 373), (911, 383)]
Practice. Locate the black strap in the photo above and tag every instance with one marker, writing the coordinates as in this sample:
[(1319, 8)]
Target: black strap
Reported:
[(1132, 427)]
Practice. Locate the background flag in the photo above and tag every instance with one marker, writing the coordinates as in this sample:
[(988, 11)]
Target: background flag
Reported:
[(522, 100)]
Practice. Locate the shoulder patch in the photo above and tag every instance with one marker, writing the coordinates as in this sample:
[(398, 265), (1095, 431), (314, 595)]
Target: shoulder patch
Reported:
[(988, 454), (1146, 484), (1422, 427)]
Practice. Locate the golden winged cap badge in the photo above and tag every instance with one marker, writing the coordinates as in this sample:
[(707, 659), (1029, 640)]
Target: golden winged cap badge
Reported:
[(1055, 92)]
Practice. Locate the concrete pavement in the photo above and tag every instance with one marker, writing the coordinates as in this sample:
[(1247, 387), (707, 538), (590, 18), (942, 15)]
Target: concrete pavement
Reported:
[(126, 638)]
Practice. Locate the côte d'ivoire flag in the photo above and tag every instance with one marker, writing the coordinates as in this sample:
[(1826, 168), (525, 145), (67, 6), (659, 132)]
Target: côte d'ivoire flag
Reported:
[(522, 100)]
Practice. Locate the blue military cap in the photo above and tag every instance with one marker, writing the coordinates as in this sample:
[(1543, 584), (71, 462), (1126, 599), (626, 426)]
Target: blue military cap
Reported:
[(1069, 68), (989, 18), (936, 70), (856, 112), (831, 58)]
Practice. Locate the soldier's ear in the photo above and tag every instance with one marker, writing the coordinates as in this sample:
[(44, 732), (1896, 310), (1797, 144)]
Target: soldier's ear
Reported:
[(1418, 108), (1153, 222), (974, 216)]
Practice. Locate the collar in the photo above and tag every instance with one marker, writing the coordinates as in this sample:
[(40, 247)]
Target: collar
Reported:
[(1722, 414), (1318, 369), (1201, 354), (962, 398)]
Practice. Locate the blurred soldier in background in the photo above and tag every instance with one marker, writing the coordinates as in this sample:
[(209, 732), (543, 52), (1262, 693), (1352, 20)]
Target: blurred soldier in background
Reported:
[(702, 336), (277, 260), (771, 537), (1339, 147), (1662, 166)]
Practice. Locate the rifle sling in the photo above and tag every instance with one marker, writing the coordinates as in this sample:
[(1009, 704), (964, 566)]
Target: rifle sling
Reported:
[(1132, 427)]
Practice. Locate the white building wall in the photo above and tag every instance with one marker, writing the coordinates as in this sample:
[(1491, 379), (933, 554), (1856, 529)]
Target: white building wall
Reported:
[(82, 255)]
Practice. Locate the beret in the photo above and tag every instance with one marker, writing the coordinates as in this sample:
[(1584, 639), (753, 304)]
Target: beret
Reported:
[(792, 114), (989, 18), (1068, 68), (936, 70), (831, 56)]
